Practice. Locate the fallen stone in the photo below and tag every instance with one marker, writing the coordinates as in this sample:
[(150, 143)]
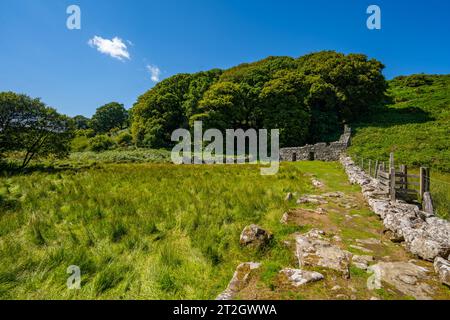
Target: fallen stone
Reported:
[(442, 268), (313, 250), (299, 277), (289, 197), (254, 235), (316, 183), (285, 218), (240, 280), (406, 277)]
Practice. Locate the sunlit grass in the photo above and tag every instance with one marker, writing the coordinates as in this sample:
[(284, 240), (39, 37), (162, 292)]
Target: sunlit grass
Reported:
[(142, 231)]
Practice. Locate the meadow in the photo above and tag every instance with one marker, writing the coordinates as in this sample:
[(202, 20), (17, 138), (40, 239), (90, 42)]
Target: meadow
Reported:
[(140, 231)]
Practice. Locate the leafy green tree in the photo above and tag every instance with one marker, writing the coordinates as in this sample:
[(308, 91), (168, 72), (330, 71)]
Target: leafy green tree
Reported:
[(110, 116), (81, 122), (285, 108), (28, 125), (358, 83), (168, 106)]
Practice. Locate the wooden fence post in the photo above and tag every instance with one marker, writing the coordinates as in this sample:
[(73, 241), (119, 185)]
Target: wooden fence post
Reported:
[(392, 176), (370, 167), (404, 170), (423, 181), (392, 183), (376, 169)]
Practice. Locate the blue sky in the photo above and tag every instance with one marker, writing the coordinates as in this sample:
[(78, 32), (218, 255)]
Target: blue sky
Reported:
[(39, 56)]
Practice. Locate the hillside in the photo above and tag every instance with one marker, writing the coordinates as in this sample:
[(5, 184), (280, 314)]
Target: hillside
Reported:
[(415, 124)]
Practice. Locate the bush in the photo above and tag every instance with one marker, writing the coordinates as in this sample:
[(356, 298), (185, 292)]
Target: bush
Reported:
[(124, 139), (100, 143), (80, 143)]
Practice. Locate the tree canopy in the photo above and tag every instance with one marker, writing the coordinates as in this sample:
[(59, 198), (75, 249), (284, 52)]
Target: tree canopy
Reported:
[(29, 126), (307, 98), (110, 116)]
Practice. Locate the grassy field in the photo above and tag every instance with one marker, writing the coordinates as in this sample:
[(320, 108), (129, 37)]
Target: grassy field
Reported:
[(140, 231), (160, 231)]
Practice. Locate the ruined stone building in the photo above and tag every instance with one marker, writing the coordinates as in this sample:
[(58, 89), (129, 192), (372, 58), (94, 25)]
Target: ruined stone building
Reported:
[(320, 151)]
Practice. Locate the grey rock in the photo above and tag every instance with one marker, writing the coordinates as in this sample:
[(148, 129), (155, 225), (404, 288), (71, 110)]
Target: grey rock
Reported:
[(406, 277), (289, 197), (298, 277), (442, 268), (240, 280), (254, 235), (313, 250)]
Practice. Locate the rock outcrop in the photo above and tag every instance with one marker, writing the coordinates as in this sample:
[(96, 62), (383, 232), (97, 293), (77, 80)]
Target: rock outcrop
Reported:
[(240, 280), (442, 268), (312, 249), (297, 277), (406, 277), (424, 235)]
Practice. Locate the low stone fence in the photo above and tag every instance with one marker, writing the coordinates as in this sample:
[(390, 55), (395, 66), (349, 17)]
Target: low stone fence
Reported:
[(424, 234)]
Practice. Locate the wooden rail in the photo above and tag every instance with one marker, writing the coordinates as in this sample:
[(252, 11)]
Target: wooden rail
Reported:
[(401, 184)]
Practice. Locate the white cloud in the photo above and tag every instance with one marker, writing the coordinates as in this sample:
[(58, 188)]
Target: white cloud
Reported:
[(155, 73), (115, 47)]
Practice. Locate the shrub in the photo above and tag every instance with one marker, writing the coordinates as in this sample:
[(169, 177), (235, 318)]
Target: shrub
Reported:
[(80, 143), (124, 139), (100, 143)]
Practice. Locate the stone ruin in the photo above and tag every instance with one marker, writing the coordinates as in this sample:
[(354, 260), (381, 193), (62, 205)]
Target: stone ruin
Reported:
[(320, 151)]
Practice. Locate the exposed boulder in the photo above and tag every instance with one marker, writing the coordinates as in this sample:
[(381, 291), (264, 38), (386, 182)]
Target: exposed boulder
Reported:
[(297, 277), (442, 268), (254, 235), (406, 277), (240, 280), (313, 250)]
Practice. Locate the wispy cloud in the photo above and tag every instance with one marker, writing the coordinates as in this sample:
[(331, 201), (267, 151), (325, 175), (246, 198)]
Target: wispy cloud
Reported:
[(115, 47), (155, 73)]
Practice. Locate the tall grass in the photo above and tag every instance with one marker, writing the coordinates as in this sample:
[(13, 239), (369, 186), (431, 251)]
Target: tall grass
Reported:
[(142, 231)]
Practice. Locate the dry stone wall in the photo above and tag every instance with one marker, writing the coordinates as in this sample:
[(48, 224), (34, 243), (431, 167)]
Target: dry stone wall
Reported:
[(424, 234)]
